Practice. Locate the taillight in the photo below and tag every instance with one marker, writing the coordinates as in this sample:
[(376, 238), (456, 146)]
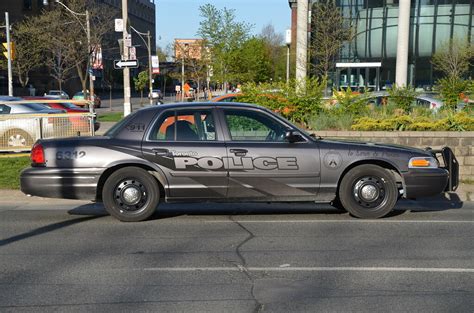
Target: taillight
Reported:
[(37, 155)]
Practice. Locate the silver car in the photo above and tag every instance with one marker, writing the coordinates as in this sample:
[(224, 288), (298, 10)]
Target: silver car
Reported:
[(57, 94), (18, 133)]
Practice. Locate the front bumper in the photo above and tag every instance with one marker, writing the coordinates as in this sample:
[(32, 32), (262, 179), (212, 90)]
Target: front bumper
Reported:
[(425, 182), (60, 183), (430, 182)]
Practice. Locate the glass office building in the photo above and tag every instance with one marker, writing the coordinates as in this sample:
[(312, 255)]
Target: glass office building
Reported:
[(432, 22)]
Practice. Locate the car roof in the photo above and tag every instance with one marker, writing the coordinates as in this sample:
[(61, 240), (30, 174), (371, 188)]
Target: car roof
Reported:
[(202, 104)]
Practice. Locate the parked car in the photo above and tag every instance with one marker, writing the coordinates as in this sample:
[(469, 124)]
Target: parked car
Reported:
[(230, 97), (86, 96), (57, 94), (19, 133), (230, 152), (155, 94), (424, 101)]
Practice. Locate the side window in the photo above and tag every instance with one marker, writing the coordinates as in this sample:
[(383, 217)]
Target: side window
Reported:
[(247, 125), (4, 109), (185, 125)]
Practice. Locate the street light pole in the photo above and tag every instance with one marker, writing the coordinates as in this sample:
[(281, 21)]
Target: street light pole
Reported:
[(89, 63), (127, 105), (182, 77), (9, 52), (150, 73)]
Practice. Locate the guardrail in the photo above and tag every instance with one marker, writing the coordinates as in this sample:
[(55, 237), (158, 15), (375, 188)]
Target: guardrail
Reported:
[(18, 132)]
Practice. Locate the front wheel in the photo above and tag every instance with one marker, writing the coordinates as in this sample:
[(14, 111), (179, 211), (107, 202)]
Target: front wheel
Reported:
[(131, 194), (368, 191)]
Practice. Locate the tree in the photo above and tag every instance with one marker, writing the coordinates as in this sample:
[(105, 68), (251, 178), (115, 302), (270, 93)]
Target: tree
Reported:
[(276, 51), (224, 36), (253, 62), (329, 32), (28, 49), (141, 82), (453, 57)]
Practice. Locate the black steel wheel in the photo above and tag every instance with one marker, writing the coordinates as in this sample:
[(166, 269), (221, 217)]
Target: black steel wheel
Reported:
[(368, 191), (131, 194)]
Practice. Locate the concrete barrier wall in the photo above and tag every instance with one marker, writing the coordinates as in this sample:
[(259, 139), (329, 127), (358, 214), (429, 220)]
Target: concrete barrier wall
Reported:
[(462, 143)]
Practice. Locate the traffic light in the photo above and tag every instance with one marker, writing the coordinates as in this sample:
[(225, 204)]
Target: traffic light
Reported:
[(12, 50)]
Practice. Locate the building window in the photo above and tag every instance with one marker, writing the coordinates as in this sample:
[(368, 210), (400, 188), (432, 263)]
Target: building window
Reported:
[(27, 5)]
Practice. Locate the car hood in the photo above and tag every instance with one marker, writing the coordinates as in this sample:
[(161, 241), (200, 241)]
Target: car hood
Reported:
[(361, 145)]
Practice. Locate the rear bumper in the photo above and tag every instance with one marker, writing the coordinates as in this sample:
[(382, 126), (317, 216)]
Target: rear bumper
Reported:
[(60, 183), (425, 183)]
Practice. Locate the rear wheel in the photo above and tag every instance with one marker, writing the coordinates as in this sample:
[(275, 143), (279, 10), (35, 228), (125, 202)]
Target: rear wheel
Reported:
[(131, 194), (17, 138), (368, 191)]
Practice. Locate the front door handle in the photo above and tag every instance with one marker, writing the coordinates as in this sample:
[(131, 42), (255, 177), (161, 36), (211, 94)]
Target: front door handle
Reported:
[(161, 152), (239, 152)]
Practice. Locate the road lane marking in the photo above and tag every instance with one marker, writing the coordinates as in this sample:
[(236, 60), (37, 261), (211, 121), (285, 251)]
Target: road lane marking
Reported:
[(313, 269), (341, 221)]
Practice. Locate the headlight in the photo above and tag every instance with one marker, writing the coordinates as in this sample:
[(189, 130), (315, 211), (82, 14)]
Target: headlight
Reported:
[(423, 162)]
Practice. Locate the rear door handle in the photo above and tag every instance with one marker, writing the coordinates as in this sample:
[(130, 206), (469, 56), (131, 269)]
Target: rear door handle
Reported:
[(239, 152), (161, 152)]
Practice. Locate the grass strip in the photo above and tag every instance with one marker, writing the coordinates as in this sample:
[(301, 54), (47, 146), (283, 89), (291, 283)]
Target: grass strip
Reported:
[(10, 169), (110, 117)]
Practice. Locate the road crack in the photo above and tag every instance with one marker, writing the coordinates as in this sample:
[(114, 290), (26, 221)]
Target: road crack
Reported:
[(259, 307)]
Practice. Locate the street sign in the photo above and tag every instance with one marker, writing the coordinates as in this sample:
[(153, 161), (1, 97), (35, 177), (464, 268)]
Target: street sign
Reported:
[(132, 53), (119, 25), (155, 64), (128, 41), (121, 64)]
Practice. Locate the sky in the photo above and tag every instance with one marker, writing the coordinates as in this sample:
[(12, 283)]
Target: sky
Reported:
[(180, 18)]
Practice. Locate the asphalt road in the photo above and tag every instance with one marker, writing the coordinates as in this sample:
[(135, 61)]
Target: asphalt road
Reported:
[(70, 257)]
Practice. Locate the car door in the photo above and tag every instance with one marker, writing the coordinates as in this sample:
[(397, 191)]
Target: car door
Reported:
[(262, 164), (186, 145)]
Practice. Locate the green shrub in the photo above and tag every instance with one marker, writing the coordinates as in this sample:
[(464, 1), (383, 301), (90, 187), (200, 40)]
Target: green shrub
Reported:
[(461, 121), (294, 100), (451, 89), (350, 102), (403, 97), (327, 120)]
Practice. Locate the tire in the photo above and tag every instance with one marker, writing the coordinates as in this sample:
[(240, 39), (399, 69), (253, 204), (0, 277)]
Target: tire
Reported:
[(368, 191), (143, 194), (18, 138)]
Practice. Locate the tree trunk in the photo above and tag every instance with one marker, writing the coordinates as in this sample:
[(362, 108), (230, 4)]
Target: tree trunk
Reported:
[(81, 77)]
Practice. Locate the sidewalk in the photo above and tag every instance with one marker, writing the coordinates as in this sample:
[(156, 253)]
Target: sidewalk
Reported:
[(464, 193)]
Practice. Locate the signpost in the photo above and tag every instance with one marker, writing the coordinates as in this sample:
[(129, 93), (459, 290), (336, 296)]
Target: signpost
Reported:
[(121, 64)]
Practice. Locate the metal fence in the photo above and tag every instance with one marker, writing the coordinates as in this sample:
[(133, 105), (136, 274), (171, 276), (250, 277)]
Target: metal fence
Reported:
[(18, 132)]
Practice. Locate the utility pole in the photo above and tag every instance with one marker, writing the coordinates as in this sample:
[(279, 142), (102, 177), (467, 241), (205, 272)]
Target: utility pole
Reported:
[(182, 77), (127, 105), (150, 73), (89, 63), (9, 52), (301, 43)]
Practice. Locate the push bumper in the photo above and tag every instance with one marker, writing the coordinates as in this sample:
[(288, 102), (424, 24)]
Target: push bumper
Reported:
[(60, 183), (430, 182)]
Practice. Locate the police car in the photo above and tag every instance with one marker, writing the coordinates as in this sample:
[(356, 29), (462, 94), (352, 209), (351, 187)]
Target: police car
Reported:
[(230, 152)]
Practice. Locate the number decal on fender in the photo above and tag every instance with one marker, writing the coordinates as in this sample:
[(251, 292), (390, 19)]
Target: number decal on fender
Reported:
[(70, 155)]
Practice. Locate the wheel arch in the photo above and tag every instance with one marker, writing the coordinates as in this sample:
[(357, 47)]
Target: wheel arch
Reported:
[(156, 174), (382, 163)]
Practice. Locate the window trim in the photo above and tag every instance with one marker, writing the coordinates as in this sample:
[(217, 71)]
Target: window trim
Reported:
[(176, 112), (228, 136)]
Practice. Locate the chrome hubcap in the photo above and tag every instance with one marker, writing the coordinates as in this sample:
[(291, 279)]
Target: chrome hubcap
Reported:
[(16, 141), (131, 195), (369, 192)]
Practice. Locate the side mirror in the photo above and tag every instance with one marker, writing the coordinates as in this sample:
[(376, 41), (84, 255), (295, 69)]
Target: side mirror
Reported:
[(293, 136)]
